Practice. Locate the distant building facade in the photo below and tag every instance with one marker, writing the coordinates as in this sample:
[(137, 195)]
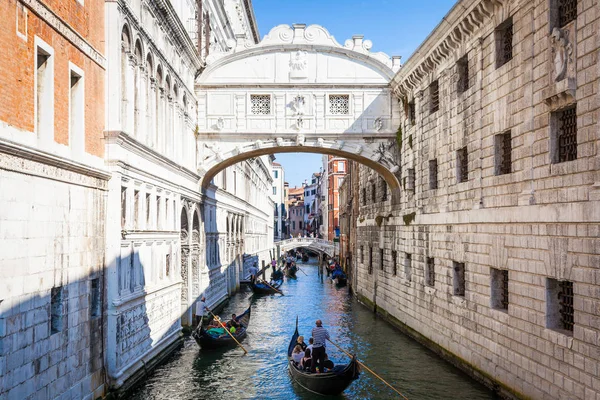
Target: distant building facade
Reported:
[(336, 170), (278, 195)]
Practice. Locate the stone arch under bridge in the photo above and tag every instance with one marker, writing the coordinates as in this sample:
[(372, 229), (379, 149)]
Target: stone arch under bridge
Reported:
[(298, 90), (314, 244)]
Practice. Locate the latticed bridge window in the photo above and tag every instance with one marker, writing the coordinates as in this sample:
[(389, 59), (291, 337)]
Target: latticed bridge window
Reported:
[(567, 134), (339, 104), (260, 104), (567, 11), (504, 43)]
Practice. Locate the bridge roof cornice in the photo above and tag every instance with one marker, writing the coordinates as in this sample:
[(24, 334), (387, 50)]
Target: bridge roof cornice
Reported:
[(299, 37)]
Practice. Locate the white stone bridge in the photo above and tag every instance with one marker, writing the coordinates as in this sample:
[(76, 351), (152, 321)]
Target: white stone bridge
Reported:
[(314, 244), (298, 90)]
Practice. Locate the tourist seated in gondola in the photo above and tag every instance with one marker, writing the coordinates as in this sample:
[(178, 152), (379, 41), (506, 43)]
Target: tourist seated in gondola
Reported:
[(297, 354), (306, 361), (277, 275), (233, 323), (300, 342), (311, 342)]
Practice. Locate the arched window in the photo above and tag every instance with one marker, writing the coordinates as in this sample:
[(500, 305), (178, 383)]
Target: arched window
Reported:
[(137, 88), (125, 51), (150, 114), (159, 107)]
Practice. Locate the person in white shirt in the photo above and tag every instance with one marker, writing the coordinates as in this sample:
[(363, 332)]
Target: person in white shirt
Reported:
[(200, 309)]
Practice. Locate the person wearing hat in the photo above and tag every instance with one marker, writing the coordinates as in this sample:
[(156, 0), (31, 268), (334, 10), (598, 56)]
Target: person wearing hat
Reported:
[(200, 309)]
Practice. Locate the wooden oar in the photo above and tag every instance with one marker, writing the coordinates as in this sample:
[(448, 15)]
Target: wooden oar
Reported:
[(227, 330), (275, 289), (368, 369), (300, 269)]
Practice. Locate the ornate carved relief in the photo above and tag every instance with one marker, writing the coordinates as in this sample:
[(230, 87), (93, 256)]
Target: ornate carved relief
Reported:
[(298, 64), (562, 52), (563, 82)]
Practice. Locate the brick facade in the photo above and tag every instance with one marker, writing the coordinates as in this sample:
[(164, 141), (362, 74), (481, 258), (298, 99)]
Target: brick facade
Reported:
[(513, 203)]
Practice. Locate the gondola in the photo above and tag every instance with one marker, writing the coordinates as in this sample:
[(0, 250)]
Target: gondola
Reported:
[(262, 288), (291, 271), (340, 280), (304, 257), (327, 383), (208, 341)]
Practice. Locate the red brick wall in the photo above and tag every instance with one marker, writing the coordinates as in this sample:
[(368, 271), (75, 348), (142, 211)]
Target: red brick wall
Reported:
[(17, 72)]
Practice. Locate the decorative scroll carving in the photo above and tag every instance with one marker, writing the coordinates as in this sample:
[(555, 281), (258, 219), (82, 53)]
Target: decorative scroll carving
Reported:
[(386, 157)]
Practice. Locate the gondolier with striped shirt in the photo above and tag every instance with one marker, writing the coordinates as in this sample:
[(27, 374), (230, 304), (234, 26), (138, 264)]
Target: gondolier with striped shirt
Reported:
[(320, 336)]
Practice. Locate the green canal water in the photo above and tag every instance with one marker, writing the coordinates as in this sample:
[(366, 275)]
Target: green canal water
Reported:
[(194, 374)]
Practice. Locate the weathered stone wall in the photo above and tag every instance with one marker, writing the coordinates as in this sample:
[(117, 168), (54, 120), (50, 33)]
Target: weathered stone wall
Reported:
[(538, 221), (51, 236)]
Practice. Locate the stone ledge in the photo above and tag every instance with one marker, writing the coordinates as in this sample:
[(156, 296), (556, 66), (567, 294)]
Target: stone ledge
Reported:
[(27, 160)]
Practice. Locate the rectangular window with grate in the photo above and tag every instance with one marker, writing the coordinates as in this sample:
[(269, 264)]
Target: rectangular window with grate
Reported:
[(411, 180), (381, 258), (408, 266), (564, 135), (339, 104), (56, 310), (412, 113), (462, 165), (384, 191), (504, 42), (503, 153), (434, 96), (362, 254), (433, 174), (430, 272), (499, 286), (567, 12), (462, 67), (370, 260), (364, 196), (95, 302), (260, 104), (395, 262), (559, 305), (458, 279), (374, 192)]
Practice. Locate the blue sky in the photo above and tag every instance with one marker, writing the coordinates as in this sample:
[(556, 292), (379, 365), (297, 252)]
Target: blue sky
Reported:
[(396, 27)]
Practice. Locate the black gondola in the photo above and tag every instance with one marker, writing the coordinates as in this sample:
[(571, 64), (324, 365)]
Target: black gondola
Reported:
[(291, 271), (263, 288), (327, 383), (340, 280), (208, 341)]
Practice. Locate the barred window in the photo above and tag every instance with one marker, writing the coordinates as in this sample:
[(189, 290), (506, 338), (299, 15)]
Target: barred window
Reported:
[(463, 74), (381, 258), (412, 113), (374, 192), (339, 104), (462, 165), (434, 96), (503, 153), (567, 11), (260, 104), (362, 254), (395, 262), (56, 310), (433, 174), (560, 310), (408, 266), (504, 43), (370, 266), (565, 135), (411, 179), (364, 196), (499, 284), (430, 272), (458, 279)]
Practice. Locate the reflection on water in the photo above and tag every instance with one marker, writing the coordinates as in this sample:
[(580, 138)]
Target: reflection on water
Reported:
[(262, 374)]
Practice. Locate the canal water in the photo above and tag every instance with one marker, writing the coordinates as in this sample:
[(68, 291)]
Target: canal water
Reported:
[(194, 374)]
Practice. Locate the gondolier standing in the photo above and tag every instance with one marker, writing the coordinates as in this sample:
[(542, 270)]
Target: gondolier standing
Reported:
[(320, 336), (200, 309), (253, 271)]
